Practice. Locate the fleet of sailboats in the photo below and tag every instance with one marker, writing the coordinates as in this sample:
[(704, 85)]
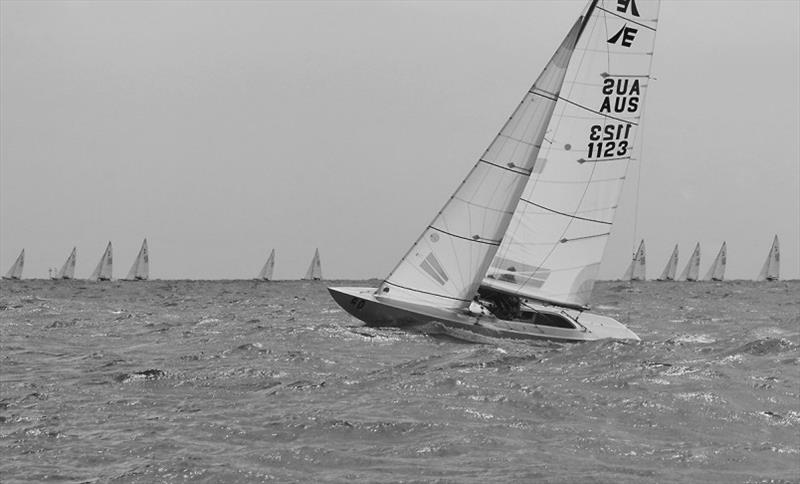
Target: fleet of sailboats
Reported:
[(636, 269), (140, 270), (717, 270), (103, 270), (314, 272), (771, 270), (668, 274), (16, 269), (266, 272), (515, 251)]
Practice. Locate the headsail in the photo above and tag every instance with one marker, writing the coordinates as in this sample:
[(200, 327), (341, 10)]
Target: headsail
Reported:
[(692, 270), (140, 270), (103, 270), (672, 266), (636, 269), (772, 270), (16, 270), (717, 270), (314, 271), (266, 271), (68, 269), (555, 242)]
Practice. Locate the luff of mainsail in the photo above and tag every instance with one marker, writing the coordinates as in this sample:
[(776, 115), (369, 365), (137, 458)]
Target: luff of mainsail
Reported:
[(717, 270), (556, 240), (314, 271), (67, 271), (636, 269), (668, 274), (269, 266), (15, 272), (692, 270), (103, 270), (445, 265), (140, 270), (771, 271)]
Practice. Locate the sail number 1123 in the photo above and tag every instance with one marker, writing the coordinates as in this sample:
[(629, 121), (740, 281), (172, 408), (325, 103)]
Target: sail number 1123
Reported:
[(609, 140)]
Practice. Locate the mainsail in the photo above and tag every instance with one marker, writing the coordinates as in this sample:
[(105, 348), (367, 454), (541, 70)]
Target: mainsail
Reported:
[(672, 266), (103, 270), (559, 161), (314, 271), (717, 270), (636, 269), (266, 271), (771, 270), (68, 269), (692, 270), (140, 270), (16, 270)]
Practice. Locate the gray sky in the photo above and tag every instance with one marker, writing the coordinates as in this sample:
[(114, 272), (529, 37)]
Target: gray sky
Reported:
[(221, 130)]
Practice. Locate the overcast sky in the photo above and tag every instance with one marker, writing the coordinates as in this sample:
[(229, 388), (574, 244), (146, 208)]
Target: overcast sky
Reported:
[(221, 130)]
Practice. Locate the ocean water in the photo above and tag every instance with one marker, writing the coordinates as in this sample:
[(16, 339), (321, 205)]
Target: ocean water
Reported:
[(240, 381)]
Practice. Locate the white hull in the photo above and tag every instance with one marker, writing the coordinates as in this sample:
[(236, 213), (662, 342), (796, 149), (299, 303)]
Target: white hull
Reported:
[(362, 303)]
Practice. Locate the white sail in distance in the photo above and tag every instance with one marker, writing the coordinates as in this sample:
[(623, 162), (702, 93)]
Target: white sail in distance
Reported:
[(15, 272), (636, 269), (103, 270), (445, 265), (668, 274), (692, 270), (314, 271), (555, 242), (140, 270), (717, 270), (269, 266), (67, 271), (771, 271)]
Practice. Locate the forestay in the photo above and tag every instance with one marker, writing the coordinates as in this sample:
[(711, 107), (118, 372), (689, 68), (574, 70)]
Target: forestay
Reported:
[(555, 242)]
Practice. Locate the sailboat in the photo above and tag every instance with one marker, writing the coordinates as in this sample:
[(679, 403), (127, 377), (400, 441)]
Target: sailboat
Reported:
[(314, 272), (668, 274), (717, 270), (692, 270), (16, 270), (103, 270), (636, 269), (515, 251), (269, 266), (140, 270), (67, 271), (771, 270)]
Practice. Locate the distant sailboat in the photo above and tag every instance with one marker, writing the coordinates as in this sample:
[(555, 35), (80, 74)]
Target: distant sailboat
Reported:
[(692, 270), (516, 250), (717, 270), (68, 269), (314, 271), (103, 270), (140, 270), (266, 271), (16, 270), (771, 270), (672, 266), (636, 269)]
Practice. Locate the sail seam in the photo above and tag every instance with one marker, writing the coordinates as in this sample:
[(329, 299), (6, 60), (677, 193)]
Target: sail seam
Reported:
[(565, 214), (627, 19), (425, 292), (621, 120), (478, 240)]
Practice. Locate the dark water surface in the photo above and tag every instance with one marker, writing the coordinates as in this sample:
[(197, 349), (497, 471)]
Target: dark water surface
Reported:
[(173, 381)]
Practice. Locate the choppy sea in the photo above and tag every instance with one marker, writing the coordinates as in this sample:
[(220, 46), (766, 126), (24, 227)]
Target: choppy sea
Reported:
[(242, 381)]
